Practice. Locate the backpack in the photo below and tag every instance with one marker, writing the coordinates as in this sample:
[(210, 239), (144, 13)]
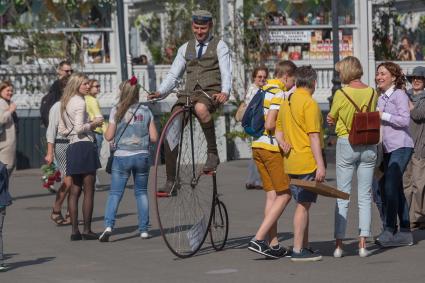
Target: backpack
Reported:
[(47, 102), (365, 129), (253, 119)]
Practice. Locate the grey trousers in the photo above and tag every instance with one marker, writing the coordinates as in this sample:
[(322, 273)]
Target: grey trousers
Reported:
[(414, 189), (2, 215)]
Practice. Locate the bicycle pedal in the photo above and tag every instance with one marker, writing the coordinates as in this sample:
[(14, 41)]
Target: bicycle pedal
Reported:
[(210, 173), (165, 194)]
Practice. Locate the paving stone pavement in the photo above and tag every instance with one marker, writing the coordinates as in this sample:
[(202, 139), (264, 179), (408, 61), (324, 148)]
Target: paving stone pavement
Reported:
[(38, 251)]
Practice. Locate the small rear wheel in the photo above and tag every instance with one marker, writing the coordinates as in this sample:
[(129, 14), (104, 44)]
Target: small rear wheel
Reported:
[(219, 227)]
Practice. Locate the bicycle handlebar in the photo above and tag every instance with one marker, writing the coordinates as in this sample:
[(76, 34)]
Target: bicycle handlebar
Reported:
[(179, 93)]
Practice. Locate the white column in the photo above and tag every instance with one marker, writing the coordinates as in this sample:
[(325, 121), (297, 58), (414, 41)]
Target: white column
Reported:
[(115, 53), (362, 44), (370, 51), (127, 38), (236, 28), (224, 19), (164, 27)]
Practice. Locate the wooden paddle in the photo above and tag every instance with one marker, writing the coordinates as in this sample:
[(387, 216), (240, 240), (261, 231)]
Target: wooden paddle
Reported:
[(320, 188)]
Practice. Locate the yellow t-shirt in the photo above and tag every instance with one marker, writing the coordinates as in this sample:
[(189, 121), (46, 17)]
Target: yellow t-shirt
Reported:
[(267, 140), (93, 109), (343, 110), (297, 118)]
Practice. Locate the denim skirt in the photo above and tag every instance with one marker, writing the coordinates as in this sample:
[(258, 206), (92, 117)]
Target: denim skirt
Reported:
[(82, 158)]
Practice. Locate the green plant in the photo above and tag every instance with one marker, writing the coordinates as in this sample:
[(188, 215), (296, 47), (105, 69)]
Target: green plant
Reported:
[(232, 135)]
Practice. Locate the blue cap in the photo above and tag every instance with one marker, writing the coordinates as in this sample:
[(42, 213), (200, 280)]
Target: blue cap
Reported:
[(201, 17)]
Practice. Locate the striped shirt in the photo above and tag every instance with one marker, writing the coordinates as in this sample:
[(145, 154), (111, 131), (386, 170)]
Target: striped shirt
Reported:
[(272, 101)]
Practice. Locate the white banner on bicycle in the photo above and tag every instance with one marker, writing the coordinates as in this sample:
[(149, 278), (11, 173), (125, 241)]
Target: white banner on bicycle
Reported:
[(196, 233), (173, 134)]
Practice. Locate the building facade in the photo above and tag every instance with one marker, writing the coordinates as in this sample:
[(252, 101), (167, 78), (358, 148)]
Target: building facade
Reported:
[(299, 30)]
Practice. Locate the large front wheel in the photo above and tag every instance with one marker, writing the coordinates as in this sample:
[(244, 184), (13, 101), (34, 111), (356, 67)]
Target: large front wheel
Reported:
[(184, 211)]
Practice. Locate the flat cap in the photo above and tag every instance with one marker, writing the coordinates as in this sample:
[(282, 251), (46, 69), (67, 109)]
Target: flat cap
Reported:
[(201, 16), (417, 72)]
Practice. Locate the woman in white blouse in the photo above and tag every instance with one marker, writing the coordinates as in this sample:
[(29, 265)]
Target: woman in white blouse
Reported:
[(259, 78), (82, 159)]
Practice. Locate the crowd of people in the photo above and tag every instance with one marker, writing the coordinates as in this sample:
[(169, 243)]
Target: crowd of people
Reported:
[(291, 146), (388, 172)]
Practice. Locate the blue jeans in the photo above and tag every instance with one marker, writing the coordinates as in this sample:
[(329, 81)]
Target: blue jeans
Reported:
[(122, 167), (361, 159), (394, 200)]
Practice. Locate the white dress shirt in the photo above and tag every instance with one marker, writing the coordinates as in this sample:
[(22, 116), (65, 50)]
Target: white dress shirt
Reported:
[(179, 66)]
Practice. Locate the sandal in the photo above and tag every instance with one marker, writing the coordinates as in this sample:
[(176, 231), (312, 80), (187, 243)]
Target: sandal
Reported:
[(67, 219), (57, 218)]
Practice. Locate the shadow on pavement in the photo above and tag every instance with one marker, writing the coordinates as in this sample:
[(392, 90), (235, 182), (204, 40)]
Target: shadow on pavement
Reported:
[(18, 264), (118, 216), (123, 230), (242, 242), (46, 194), (235, 243), (9, 256)]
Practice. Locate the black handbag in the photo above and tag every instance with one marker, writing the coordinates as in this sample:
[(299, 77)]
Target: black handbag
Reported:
[(108, 168)]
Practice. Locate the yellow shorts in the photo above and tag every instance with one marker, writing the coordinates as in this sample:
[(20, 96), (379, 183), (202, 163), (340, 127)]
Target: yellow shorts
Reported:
[(270, 167)]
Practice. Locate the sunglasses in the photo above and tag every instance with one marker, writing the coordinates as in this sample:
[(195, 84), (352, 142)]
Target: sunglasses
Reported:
[(260, 77), (96, 86), (68, 71), (418, 78)]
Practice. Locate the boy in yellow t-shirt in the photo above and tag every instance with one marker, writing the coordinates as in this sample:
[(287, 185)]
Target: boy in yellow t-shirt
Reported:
[(299, 134), (269, 161)]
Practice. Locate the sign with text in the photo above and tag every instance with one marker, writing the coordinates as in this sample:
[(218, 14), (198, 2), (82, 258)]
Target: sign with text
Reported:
[(289, 36)]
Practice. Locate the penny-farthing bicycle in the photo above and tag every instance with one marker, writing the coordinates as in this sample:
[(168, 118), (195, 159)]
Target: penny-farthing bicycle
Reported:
[(192, 208)]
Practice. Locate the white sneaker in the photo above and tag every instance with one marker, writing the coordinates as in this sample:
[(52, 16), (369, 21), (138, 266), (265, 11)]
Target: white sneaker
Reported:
[(338, 252), (145, 235), (105, 235), (363, 252)]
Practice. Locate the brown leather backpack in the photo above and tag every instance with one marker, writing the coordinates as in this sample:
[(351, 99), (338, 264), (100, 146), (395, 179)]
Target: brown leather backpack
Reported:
[(365, 129)]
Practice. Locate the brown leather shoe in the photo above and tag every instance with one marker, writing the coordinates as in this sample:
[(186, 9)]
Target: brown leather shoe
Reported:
[(211, 163)]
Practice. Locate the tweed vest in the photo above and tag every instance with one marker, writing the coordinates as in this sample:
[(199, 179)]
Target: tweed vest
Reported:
[(205, 71)]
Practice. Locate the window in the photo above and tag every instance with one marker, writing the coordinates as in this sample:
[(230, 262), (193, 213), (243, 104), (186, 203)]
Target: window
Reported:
[(297, 30), (399, 30), (41, 31)]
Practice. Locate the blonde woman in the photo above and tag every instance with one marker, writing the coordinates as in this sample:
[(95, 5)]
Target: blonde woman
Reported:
[(349, 158), (8, 126), (82, 159), (132, 128)]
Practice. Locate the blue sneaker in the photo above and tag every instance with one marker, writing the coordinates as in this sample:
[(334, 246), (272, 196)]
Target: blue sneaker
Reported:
[(306, 255), (386, 239)]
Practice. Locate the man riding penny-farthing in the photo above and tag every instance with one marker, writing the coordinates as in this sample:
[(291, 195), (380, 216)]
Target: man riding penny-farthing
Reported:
[(186, 193)]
